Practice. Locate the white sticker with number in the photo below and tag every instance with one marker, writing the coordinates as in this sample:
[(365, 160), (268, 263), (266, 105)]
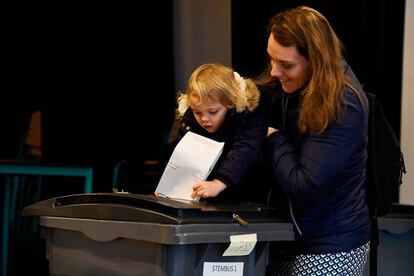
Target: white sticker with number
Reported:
[(241, 245), (223, 269)]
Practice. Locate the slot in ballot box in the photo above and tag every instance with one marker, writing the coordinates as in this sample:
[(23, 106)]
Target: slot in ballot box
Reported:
[(132, 234)]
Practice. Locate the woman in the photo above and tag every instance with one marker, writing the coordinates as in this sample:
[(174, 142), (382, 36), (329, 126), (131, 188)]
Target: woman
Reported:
[(317, 146)]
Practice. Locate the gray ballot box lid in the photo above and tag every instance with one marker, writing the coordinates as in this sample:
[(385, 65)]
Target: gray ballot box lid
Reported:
[(108, 216)]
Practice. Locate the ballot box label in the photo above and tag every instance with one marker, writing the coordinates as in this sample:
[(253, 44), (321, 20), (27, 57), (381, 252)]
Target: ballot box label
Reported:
[(225, 269)]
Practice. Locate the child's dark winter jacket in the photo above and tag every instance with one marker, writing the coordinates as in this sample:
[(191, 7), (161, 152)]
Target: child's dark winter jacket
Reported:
[(244, 135)]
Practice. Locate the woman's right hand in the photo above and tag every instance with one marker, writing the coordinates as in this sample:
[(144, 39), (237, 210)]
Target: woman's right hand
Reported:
[(271, 130)]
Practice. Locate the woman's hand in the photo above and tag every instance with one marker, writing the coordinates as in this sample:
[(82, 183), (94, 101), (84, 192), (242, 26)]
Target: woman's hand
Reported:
[(271, 130), (204, 189)]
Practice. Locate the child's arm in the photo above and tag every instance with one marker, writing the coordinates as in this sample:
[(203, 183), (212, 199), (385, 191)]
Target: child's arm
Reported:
[(244, 151)]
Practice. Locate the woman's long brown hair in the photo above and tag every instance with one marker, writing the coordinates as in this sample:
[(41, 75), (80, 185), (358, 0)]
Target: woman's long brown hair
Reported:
[(312, 35)]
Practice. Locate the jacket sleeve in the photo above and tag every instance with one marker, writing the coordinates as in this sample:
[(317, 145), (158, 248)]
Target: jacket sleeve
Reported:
[(311, 172), (245, 150)]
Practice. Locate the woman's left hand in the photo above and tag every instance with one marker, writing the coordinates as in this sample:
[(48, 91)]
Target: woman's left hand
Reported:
[(271, 130)]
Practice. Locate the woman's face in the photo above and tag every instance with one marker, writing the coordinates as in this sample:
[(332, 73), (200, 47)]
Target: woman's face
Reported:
[(291, 68), (210, 115)]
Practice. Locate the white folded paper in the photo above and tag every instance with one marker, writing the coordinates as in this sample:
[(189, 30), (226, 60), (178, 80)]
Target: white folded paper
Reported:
[(192, 161)]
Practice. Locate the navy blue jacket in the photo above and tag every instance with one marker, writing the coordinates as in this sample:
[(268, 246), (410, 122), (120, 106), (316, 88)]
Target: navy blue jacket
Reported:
[(323, 175), (244, 135)]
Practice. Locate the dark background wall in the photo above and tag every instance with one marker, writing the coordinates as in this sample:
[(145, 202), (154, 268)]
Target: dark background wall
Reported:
[(102, 75)]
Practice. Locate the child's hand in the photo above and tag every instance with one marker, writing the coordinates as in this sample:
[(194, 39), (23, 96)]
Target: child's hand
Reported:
[(204, 189), (157, 194)]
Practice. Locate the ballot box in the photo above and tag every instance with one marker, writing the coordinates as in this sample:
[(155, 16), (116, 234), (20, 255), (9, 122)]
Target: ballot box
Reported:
[(396, 245), (396, 242), (132, 234)]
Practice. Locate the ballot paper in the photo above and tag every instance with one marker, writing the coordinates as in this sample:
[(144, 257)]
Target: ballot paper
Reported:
[(192, 161)]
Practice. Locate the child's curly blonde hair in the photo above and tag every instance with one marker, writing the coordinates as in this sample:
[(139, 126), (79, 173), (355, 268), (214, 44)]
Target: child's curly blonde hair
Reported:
[(216, 82)]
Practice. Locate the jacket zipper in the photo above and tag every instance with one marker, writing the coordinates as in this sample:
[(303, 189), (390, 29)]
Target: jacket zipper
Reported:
[(292, 216), (284, 111)]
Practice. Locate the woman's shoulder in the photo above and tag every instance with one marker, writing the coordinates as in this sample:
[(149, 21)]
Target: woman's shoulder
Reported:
[(356, 98), (355, 106)]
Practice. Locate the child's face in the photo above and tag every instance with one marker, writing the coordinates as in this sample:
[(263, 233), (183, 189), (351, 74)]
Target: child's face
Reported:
[(210, 115)]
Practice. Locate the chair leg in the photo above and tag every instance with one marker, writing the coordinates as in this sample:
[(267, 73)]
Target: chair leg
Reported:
[(37, 198), (16, 191), (5, 228)]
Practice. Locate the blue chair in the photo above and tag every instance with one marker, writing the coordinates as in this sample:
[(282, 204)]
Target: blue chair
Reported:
[(18, 191)]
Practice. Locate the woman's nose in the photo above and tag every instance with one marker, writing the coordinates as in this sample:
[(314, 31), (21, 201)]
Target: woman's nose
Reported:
[(275, 72)]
